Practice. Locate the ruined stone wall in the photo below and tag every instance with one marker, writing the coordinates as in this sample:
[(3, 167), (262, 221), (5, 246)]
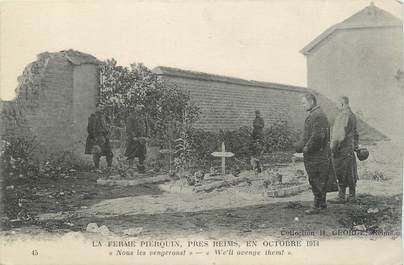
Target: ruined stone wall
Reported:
[(48, 113), (55, 97)]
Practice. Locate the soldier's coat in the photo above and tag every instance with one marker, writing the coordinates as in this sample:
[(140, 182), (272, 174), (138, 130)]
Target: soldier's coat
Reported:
[(344, 140), (258, 128), (317, 158), (136, 127), (98, 134)]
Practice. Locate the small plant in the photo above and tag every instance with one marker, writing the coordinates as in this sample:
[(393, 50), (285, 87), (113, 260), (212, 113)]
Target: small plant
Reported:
[(17, 157), (182, 153), (272, 177), (376, 175)]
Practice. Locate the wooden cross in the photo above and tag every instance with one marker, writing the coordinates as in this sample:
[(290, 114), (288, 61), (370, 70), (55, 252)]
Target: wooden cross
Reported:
[(223, 154)]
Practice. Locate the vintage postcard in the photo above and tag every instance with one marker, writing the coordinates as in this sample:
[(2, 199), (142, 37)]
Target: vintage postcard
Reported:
[(201, 132)]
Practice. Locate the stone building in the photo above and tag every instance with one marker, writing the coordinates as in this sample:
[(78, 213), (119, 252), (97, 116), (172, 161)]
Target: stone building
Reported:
[(55, 96), (360, 57), (228, 103)]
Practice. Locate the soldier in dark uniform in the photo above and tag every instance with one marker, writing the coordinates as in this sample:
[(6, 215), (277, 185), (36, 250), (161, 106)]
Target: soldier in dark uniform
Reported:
[(344, 142), (258, 126), (97, 143), (315, 147), (137, 132), (257, 141)]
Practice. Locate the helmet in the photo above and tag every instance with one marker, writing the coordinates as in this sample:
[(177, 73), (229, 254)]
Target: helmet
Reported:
[(362, 154)]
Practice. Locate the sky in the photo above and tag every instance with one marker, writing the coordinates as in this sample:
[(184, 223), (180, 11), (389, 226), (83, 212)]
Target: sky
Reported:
[(256, 40)]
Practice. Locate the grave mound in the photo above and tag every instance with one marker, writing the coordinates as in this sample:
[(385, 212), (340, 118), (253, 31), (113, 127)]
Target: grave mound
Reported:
[(270, 183)]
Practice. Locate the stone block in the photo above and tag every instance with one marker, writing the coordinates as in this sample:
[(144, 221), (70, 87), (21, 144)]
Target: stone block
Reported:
[(287, 191), (132, 182)]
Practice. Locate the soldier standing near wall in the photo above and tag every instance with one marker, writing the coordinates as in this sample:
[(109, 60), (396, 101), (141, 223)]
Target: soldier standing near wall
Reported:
[(98, 143), (316, 151), (258, 126), (137, 132), (257, 141), (344, 141)]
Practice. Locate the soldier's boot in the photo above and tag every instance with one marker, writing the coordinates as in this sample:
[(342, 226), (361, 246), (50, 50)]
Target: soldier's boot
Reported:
[(141, 168), (96, 160), (109, 162), (316, 207), (352, 194), (312, 211), (323, 201), (130, 162), (341, 196), (259, 168)]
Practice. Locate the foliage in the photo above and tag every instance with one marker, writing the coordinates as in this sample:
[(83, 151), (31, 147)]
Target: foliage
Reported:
[(279, 137), (17, 157), (183, 149), (18, 160), (124, 87), (182, 154), (203, 143), (240, 141)]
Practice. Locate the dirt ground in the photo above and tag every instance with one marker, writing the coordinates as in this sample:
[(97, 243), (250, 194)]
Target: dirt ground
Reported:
[(74, 201)]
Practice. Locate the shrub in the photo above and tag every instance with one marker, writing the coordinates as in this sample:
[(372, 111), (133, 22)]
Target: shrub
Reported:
[(18, 160), (123, 87), (279, 137), (239, 142), (203, 143), (17, 157)]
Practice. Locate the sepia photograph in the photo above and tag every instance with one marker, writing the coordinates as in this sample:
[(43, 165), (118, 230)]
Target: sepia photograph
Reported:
[(201, 132)]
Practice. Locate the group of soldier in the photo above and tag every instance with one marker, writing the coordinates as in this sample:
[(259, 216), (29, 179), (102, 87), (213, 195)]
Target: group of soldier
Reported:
[(329, 156), (99, 132)]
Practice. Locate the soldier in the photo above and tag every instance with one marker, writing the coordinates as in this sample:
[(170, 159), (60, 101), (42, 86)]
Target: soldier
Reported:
[(344, 141), (98, 144), (257, 141), (316, 151), (137, 132), (258, 126)]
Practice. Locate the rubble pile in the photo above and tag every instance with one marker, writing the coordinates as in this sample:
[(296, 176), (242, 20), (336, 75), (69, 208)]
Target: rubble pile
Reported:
[(273, 182)]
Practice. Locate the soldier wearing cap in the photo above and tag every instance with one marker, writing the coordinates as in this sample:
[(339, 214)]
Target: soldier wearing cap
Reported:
[(137, 135), (98, 143), (316, 151), (258, 126), (344, 141)]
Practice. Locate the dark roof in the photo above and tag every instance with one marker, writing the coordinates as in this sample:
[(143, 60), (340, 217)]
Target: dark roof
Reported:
[(73, 56), (369, 17), (77, 58), (175, 72)]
